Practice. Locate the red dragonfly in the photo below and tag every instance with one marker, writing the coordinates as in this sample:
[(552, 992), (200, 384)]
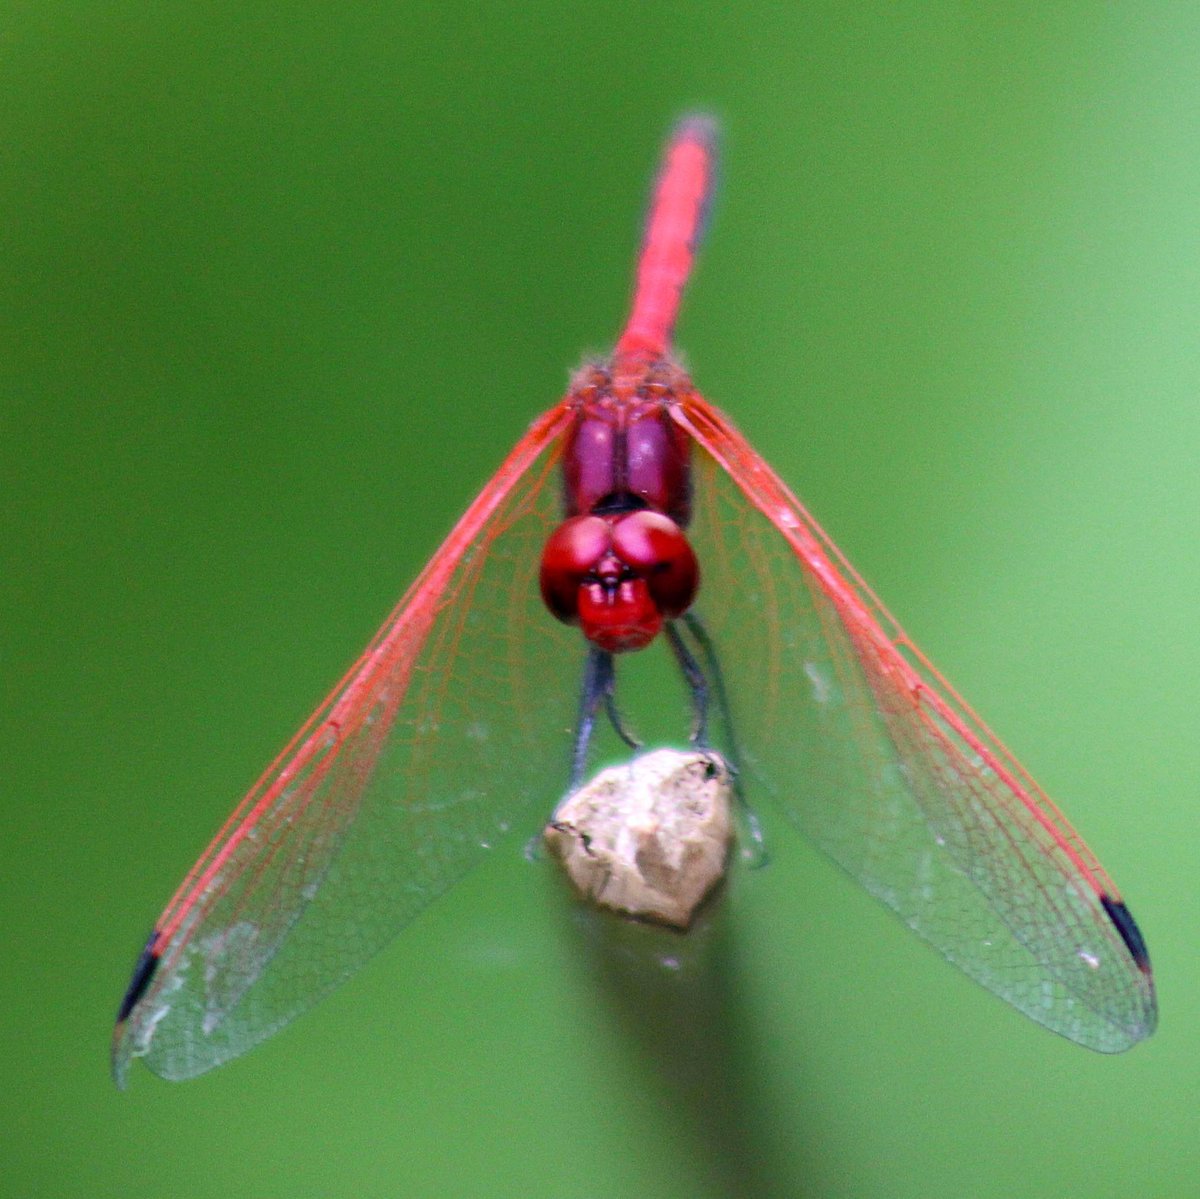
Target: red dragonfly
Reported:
[(638, 516)]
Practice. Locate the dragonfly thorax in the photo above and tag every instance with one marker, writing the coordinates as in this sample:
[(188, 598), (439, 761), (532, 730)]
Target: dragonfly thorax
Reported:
[(624, 448)]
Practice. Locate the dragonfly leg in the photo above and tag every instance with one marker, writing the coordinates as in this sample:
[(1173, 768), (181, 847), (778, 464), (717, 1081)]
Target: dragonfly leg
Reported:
[(712, 669), (693, 675), (614, 717), (597, 689)]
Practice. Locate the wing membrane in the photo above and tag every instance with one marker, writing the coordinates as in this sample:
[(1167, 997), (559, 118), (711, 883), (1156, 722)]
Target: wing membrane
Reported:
[(867, 750), (451, 726)]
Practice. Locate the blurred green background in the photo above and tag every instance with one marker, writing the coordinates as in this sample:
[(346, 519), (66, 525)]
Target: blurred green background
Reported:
[(281, 284)]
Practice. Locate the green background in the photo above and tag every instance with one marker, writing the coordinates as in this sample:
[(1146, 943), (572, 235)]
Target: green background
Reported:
[(279, 285)]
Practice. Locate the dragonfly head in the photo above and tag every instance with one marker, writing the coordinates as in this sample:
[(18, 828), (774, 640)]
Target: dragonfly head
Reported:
[(618, 576)]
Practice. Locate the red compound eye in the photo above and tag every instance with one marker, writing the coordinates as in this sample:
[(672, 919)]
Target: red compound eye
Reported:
[(655, 548), (619, 576), (573, 552)]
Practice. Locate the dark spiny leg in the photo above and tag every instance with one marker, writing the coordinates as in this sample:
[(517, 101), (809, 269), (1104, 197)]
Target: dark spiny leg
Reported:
[(714, 674), (599, 680), (697, 684), (708, 652), (614, 716), (597, 689)]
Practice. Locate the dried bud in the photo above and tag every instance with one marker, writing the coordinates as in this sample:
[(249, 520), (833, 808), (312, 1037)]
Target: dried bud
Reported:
[(649, 838)]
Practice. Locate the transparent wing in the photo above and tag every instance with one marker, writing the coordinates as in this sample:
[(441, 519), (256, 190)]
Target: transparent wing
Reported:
[(455, 723), (870, 753)]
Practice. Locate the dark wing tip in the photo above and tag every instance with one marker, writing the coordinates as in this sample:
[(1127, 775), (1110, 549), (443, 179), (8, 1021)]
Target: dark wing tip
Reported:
[(1125, 924), (143, 972)]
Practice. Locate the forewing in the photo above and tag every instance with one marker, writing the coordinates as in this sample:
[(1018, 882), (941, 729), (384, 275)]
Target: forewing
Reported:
[(867, 750), (453, 725)]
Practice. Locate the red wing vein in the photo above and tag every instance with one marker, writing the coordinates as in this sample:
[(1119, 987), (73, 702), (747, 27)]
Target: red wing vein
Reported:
[(392, 791), (880, 762)]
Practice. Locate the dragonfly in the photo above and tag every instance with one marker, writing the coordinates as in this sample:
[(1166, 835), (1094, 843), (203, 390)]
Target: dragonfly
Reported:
[(632, 518)]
